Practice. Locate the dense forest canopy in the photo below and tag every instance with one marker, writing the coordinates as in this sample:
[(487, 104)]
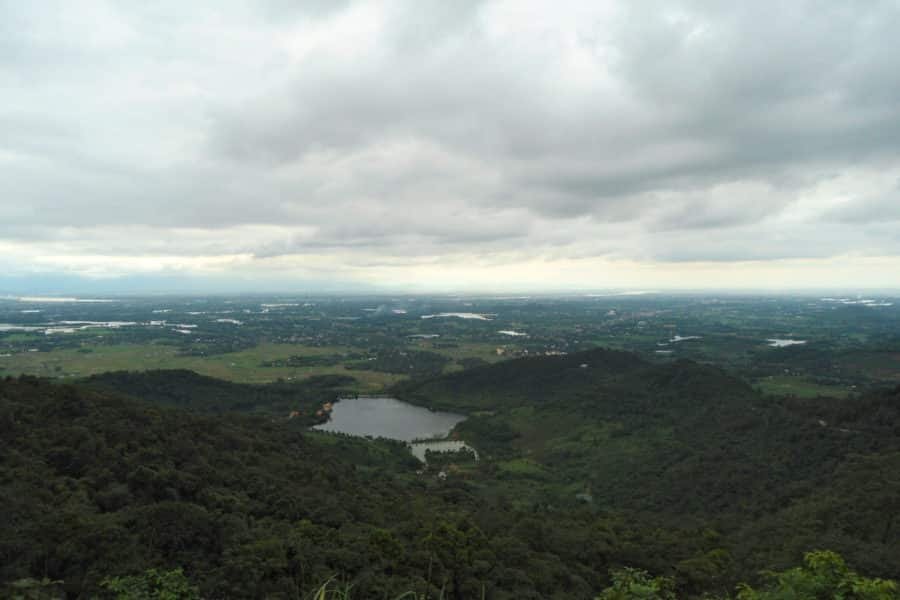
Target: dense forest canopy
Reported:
[(593, 462)]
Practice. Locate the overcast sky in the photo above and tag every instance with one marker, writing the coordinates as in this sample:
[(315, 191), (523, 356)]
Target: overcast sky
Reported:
[(435, 145)]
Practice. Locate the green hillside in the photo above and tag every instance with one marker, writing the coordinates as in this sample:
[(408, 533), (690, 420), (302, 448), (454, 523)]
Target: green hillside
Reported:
[(591, 462), (686, 443), (180, 388)]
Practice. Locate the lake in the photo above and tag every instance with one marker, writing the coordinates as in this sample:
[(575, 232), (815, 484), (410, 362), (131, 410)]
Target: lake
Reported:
[(379, 416)]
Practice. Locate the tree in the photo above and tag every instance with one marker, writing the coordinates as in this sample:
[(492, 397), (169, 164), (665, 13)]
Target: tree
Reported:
[(824, 574), (152, 585), (636, 584), (34, 589)]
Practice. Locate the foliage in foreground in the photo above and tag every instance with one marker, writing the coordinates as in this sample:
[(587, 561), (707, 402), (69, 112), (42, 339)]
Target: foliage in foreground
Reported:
[(152, 585), (636, 584), (824, 574)]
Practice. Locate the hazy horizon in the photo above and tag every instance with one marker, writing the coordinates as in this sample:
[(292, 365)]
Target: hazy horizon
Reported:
[(126, 288)]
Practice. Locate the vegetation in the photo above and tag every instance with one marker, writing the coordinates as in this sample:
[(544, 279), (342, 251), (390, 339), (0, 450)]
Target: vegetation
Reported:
[(416, 363), (198, 393), (850, 344), (682, 443), (635, 584), (610, 473), (99, 487), (823, 575), (152, 585)]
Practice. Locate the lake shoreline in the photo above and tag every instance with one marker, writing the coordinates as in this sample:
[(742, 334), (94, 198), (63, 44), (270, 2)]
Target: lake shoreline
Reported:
[(384, 416)]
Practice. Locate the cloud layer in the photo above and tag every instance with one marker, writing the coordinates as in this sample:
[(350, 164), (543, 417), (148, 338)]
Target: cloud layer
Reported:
[(454, 143)]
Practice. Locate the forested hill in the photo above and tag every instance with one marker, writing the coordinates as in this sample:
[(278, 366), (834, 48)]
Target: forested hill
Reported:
[(191, 391), (687, 443), (530, 381), (591, 462), (93, 484)]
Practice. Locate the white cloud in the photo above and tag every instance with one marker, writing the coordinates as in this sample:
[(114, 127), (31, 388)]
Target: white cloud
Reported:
[(478, 143)]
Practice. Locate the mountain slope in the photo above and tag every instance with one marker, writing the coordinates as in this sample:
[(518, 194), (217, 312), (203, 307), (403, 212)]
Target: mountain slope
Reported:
[(683, 442), (185, 389), (677, 468)]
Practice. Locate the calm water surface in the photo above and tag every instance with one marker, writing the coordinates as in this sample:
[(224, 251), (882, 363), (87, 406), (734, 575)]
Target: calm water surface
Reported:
[(388, 417)]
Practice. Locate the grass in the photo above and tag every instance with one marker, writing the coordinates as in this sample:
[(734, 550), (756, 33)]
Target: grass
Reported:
[(789, 385), (243, 366), (482, 350), (875, 365), (522, 467)]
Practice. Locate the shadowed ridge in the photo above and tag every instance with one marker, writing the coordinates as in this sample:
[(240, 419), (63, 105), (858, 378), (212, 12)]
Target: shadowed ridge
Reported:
[(199, 393), (532, 380)]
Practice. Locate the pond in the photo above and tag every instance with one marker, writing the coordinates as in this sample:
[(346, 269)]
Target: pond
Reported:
[(381, 416)]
